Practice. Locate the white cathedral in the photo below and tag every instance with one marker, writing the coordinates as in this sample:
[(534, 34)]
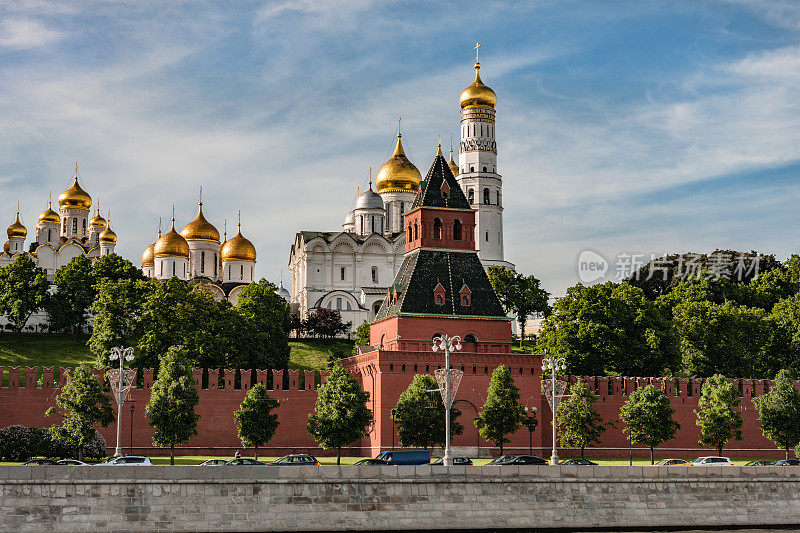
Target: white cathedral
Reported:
[(350, 270)]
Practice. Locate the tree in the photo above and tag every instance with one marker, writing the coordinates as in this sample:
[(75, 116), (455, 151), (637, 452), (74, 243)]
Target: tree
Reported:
[(420, 415), (718, 415), (255, 420), (326, 323), (173, 398), (117, 313), (502, 413), (68, 307), (340, 415), (579, 424), (24, 290), (779, 412), (268, 313), (610, 328), (647, 416), (113, 267), (520, 295), (82, 404), (362, 336)]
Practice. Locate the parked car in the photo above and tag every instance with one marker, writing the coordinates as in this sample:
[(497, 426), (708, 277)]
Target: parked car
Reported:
[(243, 461), (456, 461), (518, 460), (370, 462), (673, 462), (503, 459), (129, 460), (760, 462), (788, 462), (296, 459), (406, 457), (214, 462), (712, 461), (40, 462), (578, 461), (72, 462)]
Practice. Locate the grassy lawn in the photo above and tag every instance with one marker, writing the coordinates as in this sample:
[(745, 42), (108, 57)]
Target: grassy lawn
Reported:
[(64, 350), (527, 348)]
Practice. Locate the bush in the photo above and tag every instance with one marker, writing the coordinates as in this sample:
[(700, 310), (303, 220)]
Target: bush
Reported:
[(15, 443), (20, 443)]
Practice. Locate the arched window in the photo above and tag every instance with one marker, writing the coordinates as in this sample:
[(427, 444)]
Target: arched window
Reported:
[(215, 265), (173, 268), (402, 208), (487, 236), (416, 231), (230, 271), (241, 271), (486, 198), (202, 262), (471, 338), (457, 230), (65, 226), (410, 232), (437, 229), (74, 225), (471, 196), (374, 274), (484, 169), (49, 235), (439, 299), (498, 197)]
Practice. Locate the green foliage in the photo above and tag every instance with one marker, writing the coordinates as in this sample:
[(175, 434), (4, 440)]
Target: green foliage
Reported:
[(362, 336), (610, 329), (255, 420), (267, 314), (647, 416), (117, 311), (420, 415), (113, 267), (20, 443), (341, 415), (325, 323), (68, 308), (520, 295), (718, 415), (23, 291), (579, 424), (82, 404), (173, 399), (779, 412), (502, 413)]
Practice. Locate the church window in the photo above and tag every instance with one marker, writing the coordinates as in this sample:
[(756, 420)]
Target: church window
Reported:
[(49, 235), (173, 268), (471, 338), (374, 274), (65, 226), (472, 169), (349, 308), (202, 262), (416, 231), (410, 233), (373, 224), (230, 271), (361, 225), (402, 208), (251, 273), (184, 270), (437, 229), (342, 272), (338, 304), (484, 169), (457, 230), (498, 197), (74, 225), (241, 271), (215, 265), (471, 196), (464, 300), (487, 236), (486, 198), (84, 226), (481, 129), (329, 305), (161, 269)]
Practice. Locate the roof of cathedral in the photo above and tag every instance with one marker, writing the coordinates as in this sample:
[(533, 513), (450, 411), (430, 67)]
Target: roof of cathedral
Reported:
[(478, 94), (430, 194), (238, 248), (329, 236), (48, 215), (200, 229), (369, 199), (398, 173), (75, 197), (16, 229)]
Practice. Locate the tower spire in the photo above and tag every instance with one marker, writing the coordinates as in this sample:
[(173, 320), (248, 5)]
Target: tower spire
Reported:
[(239, 217), (370, 178), (224, 230), (159, 227), (477, 49), (173, 217), (439, 149)]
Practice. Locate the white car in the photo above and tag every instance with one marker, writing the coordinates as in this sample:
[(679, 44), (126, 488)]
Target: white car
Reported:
[(712, 461), (129, 460), (72, 462)]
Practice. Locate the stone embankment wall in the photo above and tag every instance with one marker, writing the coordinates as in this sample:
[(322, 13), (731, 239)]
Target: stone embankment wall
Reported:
[(381, 498)]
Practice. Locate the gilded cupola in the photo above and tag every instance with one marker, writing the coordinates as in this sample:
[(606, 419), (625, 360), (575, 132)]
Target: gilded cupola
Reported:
[(17, 230), (75, 197), (98, 221), (108, 236), (48, 215), (200, 229), (452, 164), (171, 244), (148, 256), (398, 173), (238, 248), (478, 94)]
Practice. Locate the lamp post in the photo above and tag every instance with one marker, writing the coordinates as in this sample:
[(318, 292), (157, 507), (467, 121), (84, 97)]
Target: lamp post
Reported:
[(121, 382), (531, 423), (131, 450), (443, 342), (553, 364)]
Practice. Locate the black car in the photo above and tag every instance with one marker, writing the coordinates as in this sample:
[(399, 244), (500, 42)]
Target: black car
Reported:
[(297, 459), (518, 460), (40, 462), (761, 462), (503, 459), (788, 462), (370, 462), (456, 461), (582, 462), (244, 461)]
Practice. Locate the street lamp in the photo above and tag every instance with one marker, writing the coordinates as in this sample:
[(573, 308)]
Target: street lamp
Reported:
[(443, 378), (554, 364), (531, 423), (121, 380)]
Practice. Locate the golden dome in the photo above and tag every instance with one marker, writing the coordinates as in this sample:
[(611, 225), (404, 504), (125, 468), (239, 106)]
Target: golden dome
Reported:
[(6, 247), (48, 215), (148, 257), (238, 249), (478, 94), (171, 244), (200, 229), (17, 229), (108, 236), (75, 198), (398, 173), (98, 221)]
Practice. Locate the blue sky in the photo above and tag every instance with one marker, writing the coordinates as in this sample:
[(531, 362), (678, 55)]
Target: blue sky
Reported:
[(621, 126)]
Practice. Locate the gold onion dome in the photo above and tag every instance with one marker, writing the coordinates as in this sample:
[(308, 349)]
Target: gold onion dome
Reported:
[(238, 249), (478, 94), (171, 244), (17, 229), (108, 236), (75, 198), (148, 257), (48, 215), (7, 247), (200, 229), (98, 221), (398, 173)]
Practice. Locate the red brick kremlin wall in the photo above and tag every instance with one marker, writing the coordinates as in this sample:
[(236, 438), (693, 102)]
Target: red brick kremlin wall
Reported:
[(26, 395)]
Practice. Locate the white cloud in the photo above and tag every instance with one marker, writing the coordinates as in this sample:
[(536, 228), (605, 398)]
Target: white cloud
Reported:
[(21, 33)]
